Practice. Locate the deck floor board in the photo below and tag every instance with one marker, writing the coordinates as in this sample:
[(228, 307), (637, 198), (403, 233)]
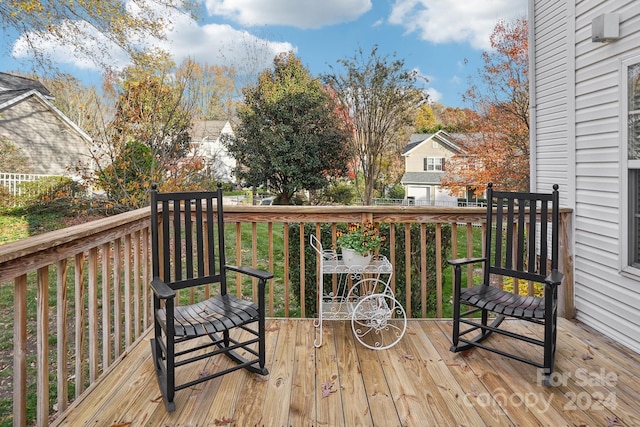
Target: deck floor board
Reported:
[(418, 382)]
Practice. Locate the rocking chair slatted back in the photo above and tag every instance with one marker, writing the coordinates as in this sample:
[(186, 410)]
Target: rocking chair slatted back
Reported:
[(189, 251), (524, 232)]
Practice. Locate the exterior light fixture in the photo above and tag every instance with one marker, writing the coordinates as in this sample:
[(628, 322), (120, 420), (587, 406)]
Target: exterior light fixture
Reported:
[(605, 28)]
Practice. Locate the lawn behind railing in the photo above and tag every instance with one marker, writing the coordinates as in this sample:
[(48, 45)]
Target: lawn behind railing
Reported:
[(77, 298)]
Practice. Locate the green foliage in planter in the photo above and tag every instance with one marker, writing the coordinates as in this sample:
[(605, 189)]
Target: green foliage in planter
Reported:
[(310, 293)]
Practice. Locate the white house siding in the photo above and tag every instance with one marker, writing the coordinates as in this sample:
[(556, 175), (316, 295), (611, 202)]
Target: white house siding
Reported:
[(550, 152), (605, 298), (415, 162), (207, 136)]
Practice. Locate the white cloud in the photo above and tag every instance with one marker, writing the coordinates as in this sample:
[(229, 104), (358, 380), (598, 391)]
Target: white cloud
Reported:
[(70, 52), (422, 76), (214, 44), (444, 21), (218, 44), (296, 13), (426, 80), (434, 95)]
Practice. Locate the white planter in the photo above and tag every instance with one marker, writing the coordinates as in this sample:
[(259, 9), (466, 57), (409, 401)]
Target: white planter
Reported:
[(353, 259)]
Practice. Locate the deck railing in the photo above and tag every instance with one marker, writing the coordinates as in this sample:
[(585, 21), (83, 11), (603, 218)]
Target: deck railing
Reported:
[(81, 295)]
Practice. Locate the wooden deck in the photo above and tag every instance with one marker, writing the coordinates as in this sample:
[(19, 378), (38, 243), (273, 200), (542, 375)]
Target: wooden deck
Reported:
[(418, 382)]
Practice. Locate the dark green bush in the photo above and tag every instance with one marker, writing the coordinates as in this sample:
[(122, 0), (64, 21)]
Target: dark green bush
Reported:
[(339, 193), (399, 267), (396, 192)]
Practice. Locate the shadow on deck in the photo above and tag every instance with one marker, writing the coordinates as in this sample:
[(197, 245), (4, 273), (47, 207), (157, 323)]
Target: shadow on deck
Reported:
[(418, 382)]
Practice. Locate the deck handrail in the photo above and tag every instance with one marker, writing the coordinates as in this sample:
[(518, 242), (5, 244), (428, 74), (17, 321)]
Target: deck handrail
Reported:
[(103, 267)]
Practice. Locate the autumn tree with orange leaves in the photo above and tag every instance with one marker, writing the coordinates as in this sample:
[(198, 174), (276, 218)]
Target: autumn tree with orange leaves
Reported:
[(499, 152)]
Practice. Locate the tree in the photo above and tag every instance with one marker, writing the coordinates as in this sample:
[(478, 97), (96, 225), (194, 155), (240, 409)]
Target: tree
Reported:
[(150, 109), (148, 138), (289, 134), (126, 178), (83, 105), (209, 88), (501, 153), (87, 25), (382, 99), (433, 116), (426, 120)]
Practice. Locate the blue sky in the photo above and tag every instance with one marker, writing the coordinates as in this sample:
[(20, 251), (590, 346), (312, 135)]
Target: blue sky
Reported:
[(441, 39)]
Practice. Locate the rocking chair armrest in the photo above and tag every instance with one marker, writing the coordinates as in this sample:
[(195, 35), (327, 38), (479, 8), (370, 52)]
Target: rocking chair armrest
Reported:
[(161, 289), (554, 279), (259, 274), (465, 261)]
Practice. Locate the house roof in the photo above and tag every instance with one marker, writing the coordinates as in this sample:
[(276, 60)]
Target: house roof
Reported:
[(465, 140), (417, 139), (421, 178), (15, 89), (12, 86), (208, 129)]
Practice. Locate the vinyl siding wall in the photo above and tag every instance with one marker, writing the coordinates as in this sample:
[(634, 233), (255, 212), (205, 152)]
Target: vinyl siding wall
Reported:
[(50, 144), (578, 127), (414, 162)]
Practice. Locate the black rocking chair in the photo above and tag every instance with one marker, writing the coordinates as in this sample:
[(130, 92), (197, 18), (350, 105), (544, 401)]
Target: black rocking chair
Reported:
[(522, 244), (188, 252)]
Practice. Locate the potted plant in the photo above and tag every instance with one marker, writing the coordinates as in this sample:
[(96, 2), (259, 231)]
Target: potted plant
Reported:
[(359, 243)]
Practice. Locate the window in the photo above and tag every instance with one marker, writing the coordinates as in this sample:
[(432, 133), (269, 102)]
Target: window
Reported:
[(633, 157), (434, 164), (634, 216)]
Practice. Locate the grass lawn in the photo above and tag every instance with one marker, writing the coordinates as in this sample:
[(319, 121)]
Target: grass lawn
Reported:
[(16, 227)]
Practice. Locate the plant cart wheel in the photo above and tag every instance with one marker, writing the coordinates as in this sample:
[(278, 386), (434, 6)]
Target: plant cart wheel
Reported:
[(378, 321), (364, 287)]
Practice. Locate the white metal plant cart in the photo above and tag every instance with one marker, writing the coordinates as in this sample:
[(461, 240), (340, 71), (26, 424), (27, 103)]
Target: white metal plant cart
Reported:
[(360, 294)]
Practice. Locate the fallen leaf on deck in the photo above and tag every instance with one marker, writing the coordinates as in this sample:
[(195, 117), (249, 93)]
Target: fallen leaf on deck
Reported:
[(327, 389), (612, 422), (592, 344), (223, 422)]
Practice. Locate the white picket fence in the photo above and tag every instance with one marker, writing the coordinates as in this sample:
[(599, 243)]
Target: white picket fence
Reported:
[(12, 181)]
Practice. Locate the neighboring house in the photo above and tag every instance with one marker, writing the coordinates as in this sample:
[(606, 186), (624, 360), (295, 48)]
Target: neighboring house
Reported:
[(425, 159), (206, 141), (50, 141), (585, 136)]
